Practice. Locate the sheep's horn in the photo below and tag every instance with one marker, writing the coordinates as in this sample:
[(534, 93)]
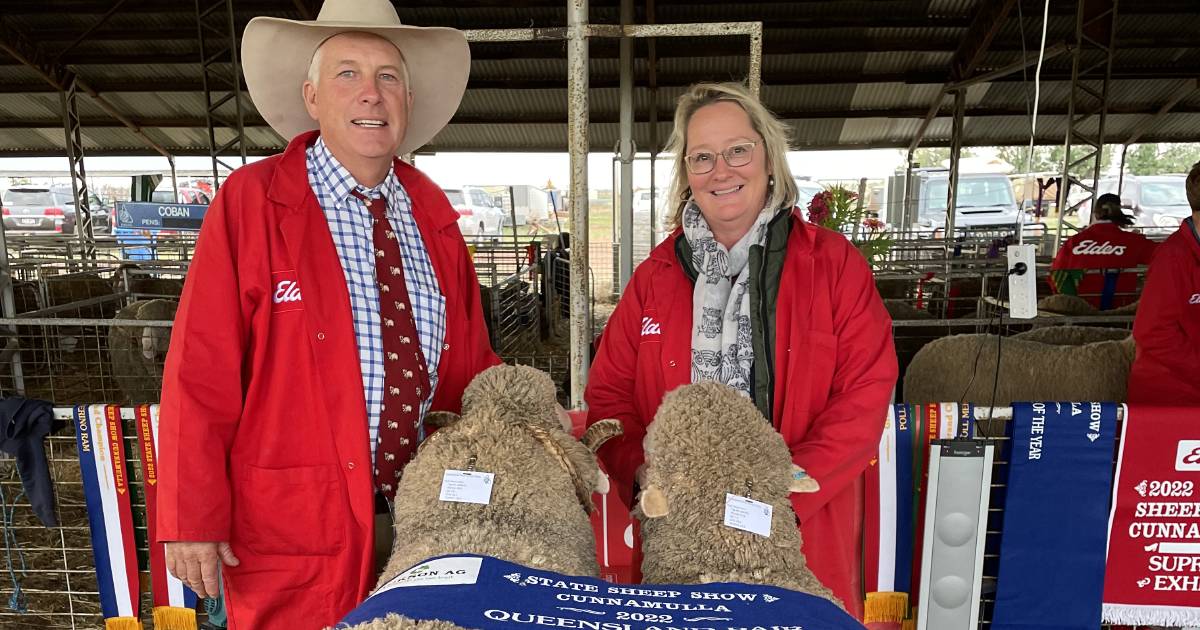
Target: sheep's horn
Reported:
[(596, 435), (441, 419)]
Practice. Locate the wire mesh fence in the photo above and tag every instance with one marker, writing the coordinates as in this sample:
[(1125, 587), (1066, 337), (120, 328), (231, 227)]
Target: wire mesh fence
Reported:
[(75, 342), (50, 577)]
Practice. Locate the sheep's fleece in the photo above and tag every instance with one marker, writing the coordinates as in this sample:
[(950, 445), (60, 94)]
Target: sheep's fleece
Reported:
[(538, 516), (963, 368), (397, 622), (707, 440)]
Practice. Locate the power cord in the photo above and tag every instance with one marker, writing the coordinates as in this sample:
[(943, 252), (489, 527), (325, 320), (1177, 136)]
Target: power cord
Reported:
[(1017, 269), (1033, 116)]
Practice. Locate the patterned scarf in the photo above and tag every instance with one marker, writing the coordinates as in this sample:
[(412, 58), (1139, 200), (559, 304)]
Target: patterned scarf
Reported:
[(722, 344)]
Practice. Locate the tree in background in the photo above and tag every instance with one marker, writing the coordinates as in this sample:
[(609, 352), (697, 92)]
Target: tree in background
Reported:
[(1159, 159), (937, 156), (1049, 159)]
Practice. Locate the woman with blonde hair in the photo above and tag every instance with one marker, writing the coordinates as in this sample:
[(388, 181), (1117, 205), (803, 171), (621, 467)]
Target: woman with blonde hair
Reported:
[(746, 293)]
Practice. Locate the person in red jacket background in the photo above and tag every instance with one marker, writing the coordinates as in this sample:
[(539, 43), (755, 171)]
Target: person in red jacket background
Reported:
[(1167, 328), (331, 303), (1089, 264), (745, 293)]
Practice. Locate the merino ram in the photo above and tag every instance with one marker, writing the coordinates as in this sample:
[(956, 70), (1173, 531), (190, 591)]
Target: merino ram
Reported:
[(512, 427), (1062, 304), (964, 368), (137, 351), (708, 441)]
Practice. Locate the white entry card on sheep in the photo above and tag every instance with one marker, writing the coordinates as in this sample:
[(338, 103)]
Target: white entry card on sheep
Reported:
[(748, 515), (467, 486)]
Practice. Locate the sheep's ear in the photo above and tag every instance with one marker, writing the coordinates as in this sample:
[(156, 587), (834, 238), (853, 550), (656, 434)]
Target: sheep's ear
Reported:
[(801, 481), (441, 419), (596, 435), (602, 485), (653, 502)]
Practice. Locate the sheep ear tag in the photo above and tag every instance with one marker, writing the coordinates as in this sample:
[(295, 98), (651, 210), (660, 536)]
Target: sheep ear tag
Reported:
[(800, 481), (748, 515), (602, 484), (653, 502), (467, 486)]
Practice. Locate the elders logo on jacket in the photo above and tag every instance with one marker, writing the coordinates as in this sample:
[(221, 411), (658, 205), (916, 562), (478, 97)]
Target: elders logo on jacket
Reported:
[(1089, 247), (651, 327), (285, 292)]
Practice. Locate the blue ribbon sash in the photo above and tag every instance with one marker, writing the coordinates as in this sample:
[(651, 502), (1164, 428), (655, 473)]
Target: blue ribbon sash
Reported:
[(483, 592)]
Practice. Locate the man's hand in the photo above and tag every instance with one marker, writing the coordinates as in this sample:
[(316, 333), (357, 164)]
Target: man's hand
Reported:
[(197, 564)]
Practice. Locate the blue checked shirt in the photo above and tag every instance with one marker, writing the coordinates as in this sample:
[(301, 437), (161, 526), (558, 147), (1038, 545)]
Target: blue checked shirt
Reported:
[(350, 224)]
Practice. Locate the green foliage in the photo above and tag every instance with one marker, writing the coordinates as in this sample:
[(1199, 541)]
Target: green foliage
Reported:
[(1159, 159), (931, 156), (936, 156), (1049, 159), (838, 209)]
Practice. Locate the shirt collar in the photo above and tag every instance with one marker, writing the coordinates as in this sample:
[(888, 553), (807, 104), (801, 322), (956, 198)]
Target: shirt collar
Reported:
[(340, 183)]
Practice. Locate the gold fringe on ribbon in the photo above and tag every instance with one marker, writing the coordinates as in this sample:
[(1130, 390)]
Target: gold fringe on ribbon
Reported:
[(123, 623), (909, 624), (174, 618), (885, 607)]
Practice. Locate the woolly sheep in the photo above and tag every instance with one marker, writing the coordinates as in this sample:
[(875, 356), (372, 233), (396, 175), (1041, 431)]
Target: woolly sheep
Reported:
[(77, 287), (140, 282), (901, 309), (137, 352), (1062, 304), (1072, 335), (538, 516), (707, 440), (963, 368), (397, 622)]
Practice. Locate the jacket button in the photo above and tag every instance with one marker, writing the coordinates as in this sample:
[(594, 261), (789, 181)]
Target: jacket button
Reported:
[(350, 465), (671, 363), (445, 347), (320, 336)]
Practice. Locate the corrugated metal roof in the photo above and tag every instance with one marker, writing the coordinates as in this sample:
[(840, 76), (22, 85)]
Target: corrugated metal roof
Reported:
[(848, 72)]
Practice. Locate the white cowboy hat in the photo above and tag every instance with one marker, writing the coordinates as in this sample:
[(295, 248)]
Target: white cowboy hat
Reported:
[(276, 54)]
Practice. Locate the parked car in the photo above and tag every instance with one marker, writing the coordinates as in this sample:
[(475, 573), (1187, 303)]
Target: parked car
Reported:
[(186, 194), (477, 214), (38, 209), (982, 199), (807, 189), (101, 211), (641, 210), (1158, 203), (530, 204)]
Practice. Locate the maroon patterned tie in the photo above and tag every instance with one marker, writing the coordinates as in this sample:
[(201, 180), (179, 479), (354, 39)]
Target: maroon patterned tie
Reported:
[(405, 379)]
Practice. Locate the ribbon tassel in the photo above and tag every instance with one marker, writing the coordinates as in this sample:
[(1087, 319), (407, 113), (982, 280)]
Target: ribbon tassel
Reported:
[(174, 603)]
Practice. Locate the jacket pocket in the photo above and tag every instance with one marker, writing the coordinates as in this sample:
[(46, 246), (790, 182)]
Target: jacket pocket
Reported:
[(293, 511)]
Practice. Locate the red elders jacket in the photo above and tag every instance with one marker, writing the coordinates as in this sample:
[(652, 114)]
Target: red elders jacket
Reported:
[(1166, 370), (835, 369), (264, 429), (1102, 245)]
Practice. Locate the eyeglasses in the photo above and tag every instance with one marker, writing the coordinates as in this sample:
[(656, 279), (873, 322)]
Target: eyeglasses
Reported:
[(702, 162)]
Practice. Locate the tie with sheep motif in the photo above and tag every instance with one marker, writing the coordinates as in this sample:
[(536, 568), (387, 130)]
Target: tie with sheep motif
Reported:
[(405, 379)]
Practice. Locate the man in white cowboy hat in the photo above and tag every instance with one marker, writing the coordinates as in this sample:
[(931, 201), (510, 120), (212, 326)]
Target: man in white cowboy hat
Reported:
[(331, 303)]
